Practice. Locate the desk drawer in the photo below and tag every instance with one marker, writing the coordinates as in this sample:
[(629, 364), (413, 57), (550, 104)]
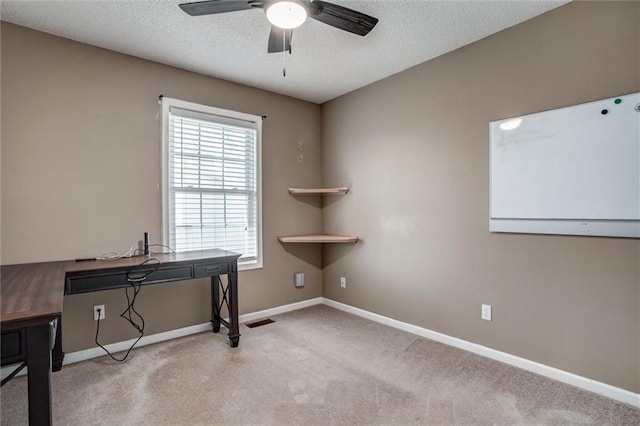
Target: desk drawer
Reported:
[(97, 282), (13, 347), (210, 269)]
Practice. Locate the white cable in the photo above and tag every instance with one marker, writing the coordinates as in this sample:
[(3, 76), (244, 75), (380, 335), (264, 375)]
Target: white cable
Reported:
[(112, 255)]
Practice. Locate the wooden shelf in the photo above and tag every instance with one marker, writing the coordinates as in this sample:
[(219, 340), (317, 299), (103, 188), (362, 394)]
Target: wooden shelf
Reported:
[(319, 238), (319, 191)]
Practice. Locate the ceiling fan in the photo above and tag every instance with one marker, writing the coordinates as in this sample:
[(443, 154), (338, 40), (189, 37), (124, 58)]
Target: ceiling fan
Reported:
[(285, 15)]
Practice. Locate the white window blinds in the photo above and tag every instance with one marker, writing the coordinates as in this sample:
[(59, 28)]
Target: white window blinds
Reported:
[(212, 180)]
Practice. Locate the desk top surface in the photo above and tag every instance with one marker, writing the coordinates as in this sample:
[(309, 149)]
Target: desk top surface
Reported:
[(33, 292)]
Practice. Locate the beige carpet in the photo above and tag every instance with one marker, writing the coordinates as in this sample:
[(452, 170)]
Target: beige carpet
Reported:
[(316, 366)]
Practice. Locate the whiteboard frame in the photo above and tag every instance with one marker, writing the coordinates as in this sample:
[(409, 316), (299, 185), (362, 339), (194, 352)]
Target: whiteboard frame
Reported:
[(593, 228), (583, 227)]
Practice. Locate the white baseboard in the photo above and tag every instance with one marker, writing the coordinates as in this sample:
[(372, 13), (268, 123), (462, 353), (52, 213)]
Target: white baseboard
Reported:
[(600, 388), (181, 332), (280, 310), (96, 352)]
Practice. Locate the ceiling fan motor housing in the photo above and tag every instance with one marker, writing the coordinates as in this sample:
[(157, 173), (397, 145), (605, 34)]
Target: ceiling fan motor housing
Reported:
[(331, 14)]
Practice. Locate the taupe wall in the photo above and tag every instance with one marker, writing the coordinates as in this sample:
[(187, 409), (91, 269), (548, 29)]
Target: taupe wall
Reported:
[(81, 169), (414, 150), (81, 174)]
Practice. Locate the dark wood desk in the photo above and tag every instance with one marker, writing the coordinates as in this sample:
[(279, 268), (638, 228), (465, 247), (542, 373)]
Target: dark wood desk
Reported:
[(31, 297)]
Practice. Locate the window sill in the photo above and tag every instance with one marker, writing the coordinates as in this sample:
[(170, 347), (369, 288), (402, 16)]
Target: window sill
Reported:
[(248, 266)]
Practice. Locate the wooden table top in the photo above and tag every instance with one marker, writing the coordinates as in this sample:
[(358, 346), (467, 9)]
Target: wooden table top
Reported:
[(132, 262), (33, 292)]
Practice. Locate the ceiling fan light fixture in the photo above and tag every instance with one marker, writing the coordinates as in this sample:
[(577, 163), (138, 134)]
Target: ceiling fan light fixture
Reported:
[(286, 14)]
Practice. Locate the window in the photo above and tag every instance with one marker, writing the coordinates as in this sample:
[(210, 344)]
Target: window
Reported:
[(211, 180)]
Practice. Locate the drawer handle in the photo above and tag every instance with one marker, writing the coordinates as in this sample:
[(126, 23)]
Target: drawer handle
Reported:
[(212, 268)]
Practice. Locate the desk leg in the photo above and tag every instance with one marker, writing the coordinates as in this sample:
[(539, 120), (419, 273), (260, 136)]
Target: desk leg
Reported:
[(39, 374), (230, 298), (234, 327), (215, 303), (57, 355)]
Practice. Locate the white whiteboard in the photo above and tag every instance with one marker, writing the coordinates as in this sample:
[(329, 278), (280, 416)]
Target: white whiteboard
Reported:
[(573, 170)]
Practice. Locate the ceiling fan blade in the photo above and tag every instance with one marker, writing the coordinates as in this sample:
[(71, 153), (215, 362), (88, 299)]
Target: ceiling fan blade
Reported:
[(341, 17), (279, 40), (211, 7)]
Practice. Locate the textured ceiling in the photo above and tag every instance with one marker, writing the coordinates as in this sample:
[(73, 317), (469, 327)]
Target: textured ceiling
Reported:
[(326, 62)]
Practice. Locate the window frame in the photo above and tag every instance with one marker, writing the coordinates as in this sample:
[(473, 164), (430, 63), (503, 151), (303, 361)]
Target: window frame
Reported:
[(222, 116)]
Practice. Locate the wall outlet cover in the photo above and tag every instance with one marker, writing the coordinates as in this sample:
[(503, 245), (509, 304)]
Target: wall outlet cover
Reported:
[(486, 312), (103, 313)]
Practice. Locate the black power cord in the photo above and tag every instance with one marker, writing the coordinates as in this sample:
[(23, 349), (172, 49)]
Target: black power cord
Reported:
[(135, 278)]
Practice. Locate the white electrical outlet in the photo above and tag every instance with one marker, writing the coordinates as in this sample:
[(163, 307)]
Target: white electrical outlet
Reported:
[(486, 312), (99, 310), (343, 282)]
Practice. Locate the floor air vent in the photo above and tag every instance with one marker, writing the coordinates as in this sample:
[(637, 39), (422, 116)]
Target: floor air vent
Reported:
[(259, 323)]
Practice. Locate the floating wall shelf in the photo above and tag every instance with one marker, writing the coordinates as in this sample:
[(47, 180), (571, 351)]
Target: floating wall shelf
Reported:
[(319, 238), (319, 191)]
